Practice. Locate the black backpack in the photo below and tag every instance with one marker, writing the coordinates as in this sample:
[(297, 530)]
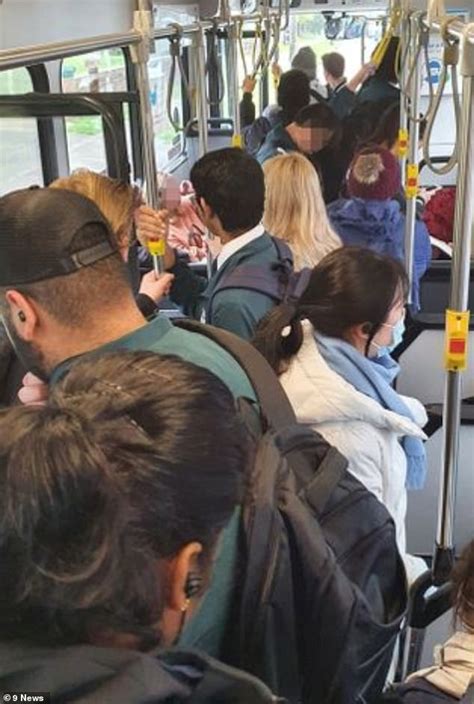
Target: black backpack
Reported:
[(276, 280), (322, 591)]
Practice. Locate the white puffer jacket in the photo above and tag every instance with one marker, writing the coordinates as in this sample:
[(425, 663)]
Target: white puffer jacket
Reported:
[(362, 430)]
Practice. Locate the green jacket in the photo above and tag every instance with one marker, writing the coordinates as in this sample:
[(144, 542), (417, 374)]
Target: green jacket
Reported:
[(236, 310), (207, 627)]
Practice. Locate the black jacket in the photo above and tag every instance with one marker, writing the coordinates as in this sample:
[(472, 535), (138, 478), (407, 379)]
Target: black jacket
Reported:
[(90, 675)]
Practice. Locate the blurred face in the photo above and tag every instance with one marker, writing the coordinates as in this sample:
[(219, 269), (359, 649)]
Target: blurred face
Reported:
[(312, 140)]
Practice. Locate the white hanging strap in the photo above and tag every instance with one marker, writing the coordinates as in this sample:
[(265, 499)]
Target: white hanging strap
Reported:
[(436, 11), (441, 245)]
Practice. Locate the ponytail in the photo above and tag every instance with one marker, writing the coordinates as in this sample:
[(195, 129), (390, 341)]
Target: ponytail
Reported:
[(350, 286), (280, 335)]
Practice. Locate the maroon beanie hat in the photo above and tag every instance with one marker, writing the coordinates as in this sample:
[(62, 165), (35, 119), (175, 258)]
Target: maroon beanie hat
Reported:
[(374, 175)]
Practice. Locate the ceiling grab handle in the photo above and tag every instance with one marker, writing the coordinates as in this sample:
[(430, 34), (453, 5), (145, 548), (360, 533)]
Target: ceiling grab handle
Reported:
[(450, 64)]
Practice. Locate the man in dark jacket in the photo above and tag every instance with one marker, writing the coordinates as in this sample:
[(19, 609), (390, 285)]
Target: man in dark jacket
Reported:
[(313, 129), (293, 95)]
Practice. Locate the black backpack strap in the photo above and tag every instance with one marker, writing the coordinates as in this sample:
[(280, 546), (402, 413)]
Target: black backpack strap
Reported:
[(271, 397), (284, 252), (261, 279), (299, 441)]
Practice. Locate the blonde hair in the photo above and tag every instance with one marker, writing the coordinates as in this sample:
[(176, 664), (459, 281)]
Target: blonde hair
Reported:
[(295, 210), (116, 199)]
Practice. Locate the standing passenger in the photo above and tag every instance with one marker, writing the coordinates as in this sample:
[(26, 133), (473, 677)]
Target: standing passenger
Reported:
[(334, 65), (314, 128), (118, 202), (371, 218), (110, 524), (305, 60), (332, 350), (292, 96), (71, 297), (230, 194), (295, 210)]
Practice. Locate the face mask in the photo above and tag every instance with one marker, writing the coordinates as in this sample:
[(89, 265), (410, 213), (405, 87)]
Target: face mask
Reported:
[(398, 331), (28, 355)]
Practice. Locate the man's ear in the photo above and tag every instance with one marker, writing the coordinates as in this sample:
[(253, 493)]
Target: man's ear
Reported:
[(206, 209), (23, 314)]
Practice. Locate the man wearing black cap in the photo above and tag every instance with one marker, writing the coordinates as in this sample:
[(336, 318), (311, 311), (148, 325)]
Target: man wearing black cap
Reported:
[(65, 291)]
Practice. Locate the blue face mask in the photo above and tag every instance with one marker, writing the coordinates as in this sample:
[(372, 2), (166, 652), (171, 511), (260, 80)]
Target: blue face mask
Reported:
[(398, 331)]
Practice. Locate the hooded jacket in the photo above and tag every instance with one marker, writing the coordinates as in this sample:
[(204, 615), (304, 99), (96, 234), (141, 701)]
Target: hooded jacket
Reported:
[(380, 225), (360, 428), (90, 675)]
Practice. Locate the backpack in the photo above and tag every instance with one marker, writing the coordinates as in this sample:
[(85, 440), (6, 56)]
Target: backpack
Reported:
[(322, 589), (277, 280)]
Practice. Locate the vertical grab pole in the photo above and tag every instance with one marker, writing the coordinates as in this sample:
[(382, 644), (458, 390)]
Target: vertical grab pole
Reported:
[(457, 324), (201, 101), (143, 22), (202, 111), (411, 183), (234, 85), (403, 133)]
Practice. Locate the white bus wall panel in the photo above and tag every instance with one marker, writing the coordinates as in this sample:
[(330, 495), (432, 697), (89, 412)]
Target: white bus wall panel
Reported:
[(422, 370), (422, 513), (26, 22)]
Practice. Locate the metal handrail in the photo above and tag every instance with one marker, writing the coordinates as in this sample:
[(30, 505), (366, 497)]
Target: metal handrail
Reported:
[(39, 53)]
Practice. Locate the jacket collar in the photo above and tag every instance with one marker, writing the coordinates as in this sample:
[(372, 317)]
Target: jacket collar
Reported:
[(454, 669), (238, 243), (139, 339), (253, 248), (281, 139), (309, 377)]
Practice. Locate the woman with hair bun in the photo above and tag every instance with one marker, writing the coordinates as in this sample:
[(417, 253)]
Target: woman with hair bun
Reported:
[(331, 349), (114, 498)]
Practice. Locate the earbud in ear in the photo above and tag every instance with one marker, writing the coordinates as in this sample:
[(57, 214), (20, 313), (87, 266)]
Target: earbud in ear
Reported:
[(193, 585), (22, 316), (367, 328)]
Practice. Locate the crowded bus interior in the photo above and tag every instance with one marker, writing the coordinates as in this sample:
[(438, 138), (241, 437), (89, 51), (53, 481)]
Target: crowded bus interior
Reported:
[(236, 357)]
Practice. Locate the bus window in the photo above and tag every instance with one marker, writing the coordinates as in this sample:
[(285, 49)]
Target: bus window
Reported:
[(85, 140), (20, 157), (352, 36), (169, 143), (97, 72)]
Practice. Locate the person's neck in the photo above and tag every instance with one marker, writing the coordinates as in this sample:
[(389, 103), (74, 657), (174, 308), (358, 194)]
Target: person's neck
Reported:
[(336, 82), (227, 237), (73, 342)]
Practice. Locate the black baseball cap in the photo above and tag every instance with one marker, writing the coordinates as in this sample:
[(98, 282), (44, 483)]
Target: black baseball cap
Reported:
[(40, 235)]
